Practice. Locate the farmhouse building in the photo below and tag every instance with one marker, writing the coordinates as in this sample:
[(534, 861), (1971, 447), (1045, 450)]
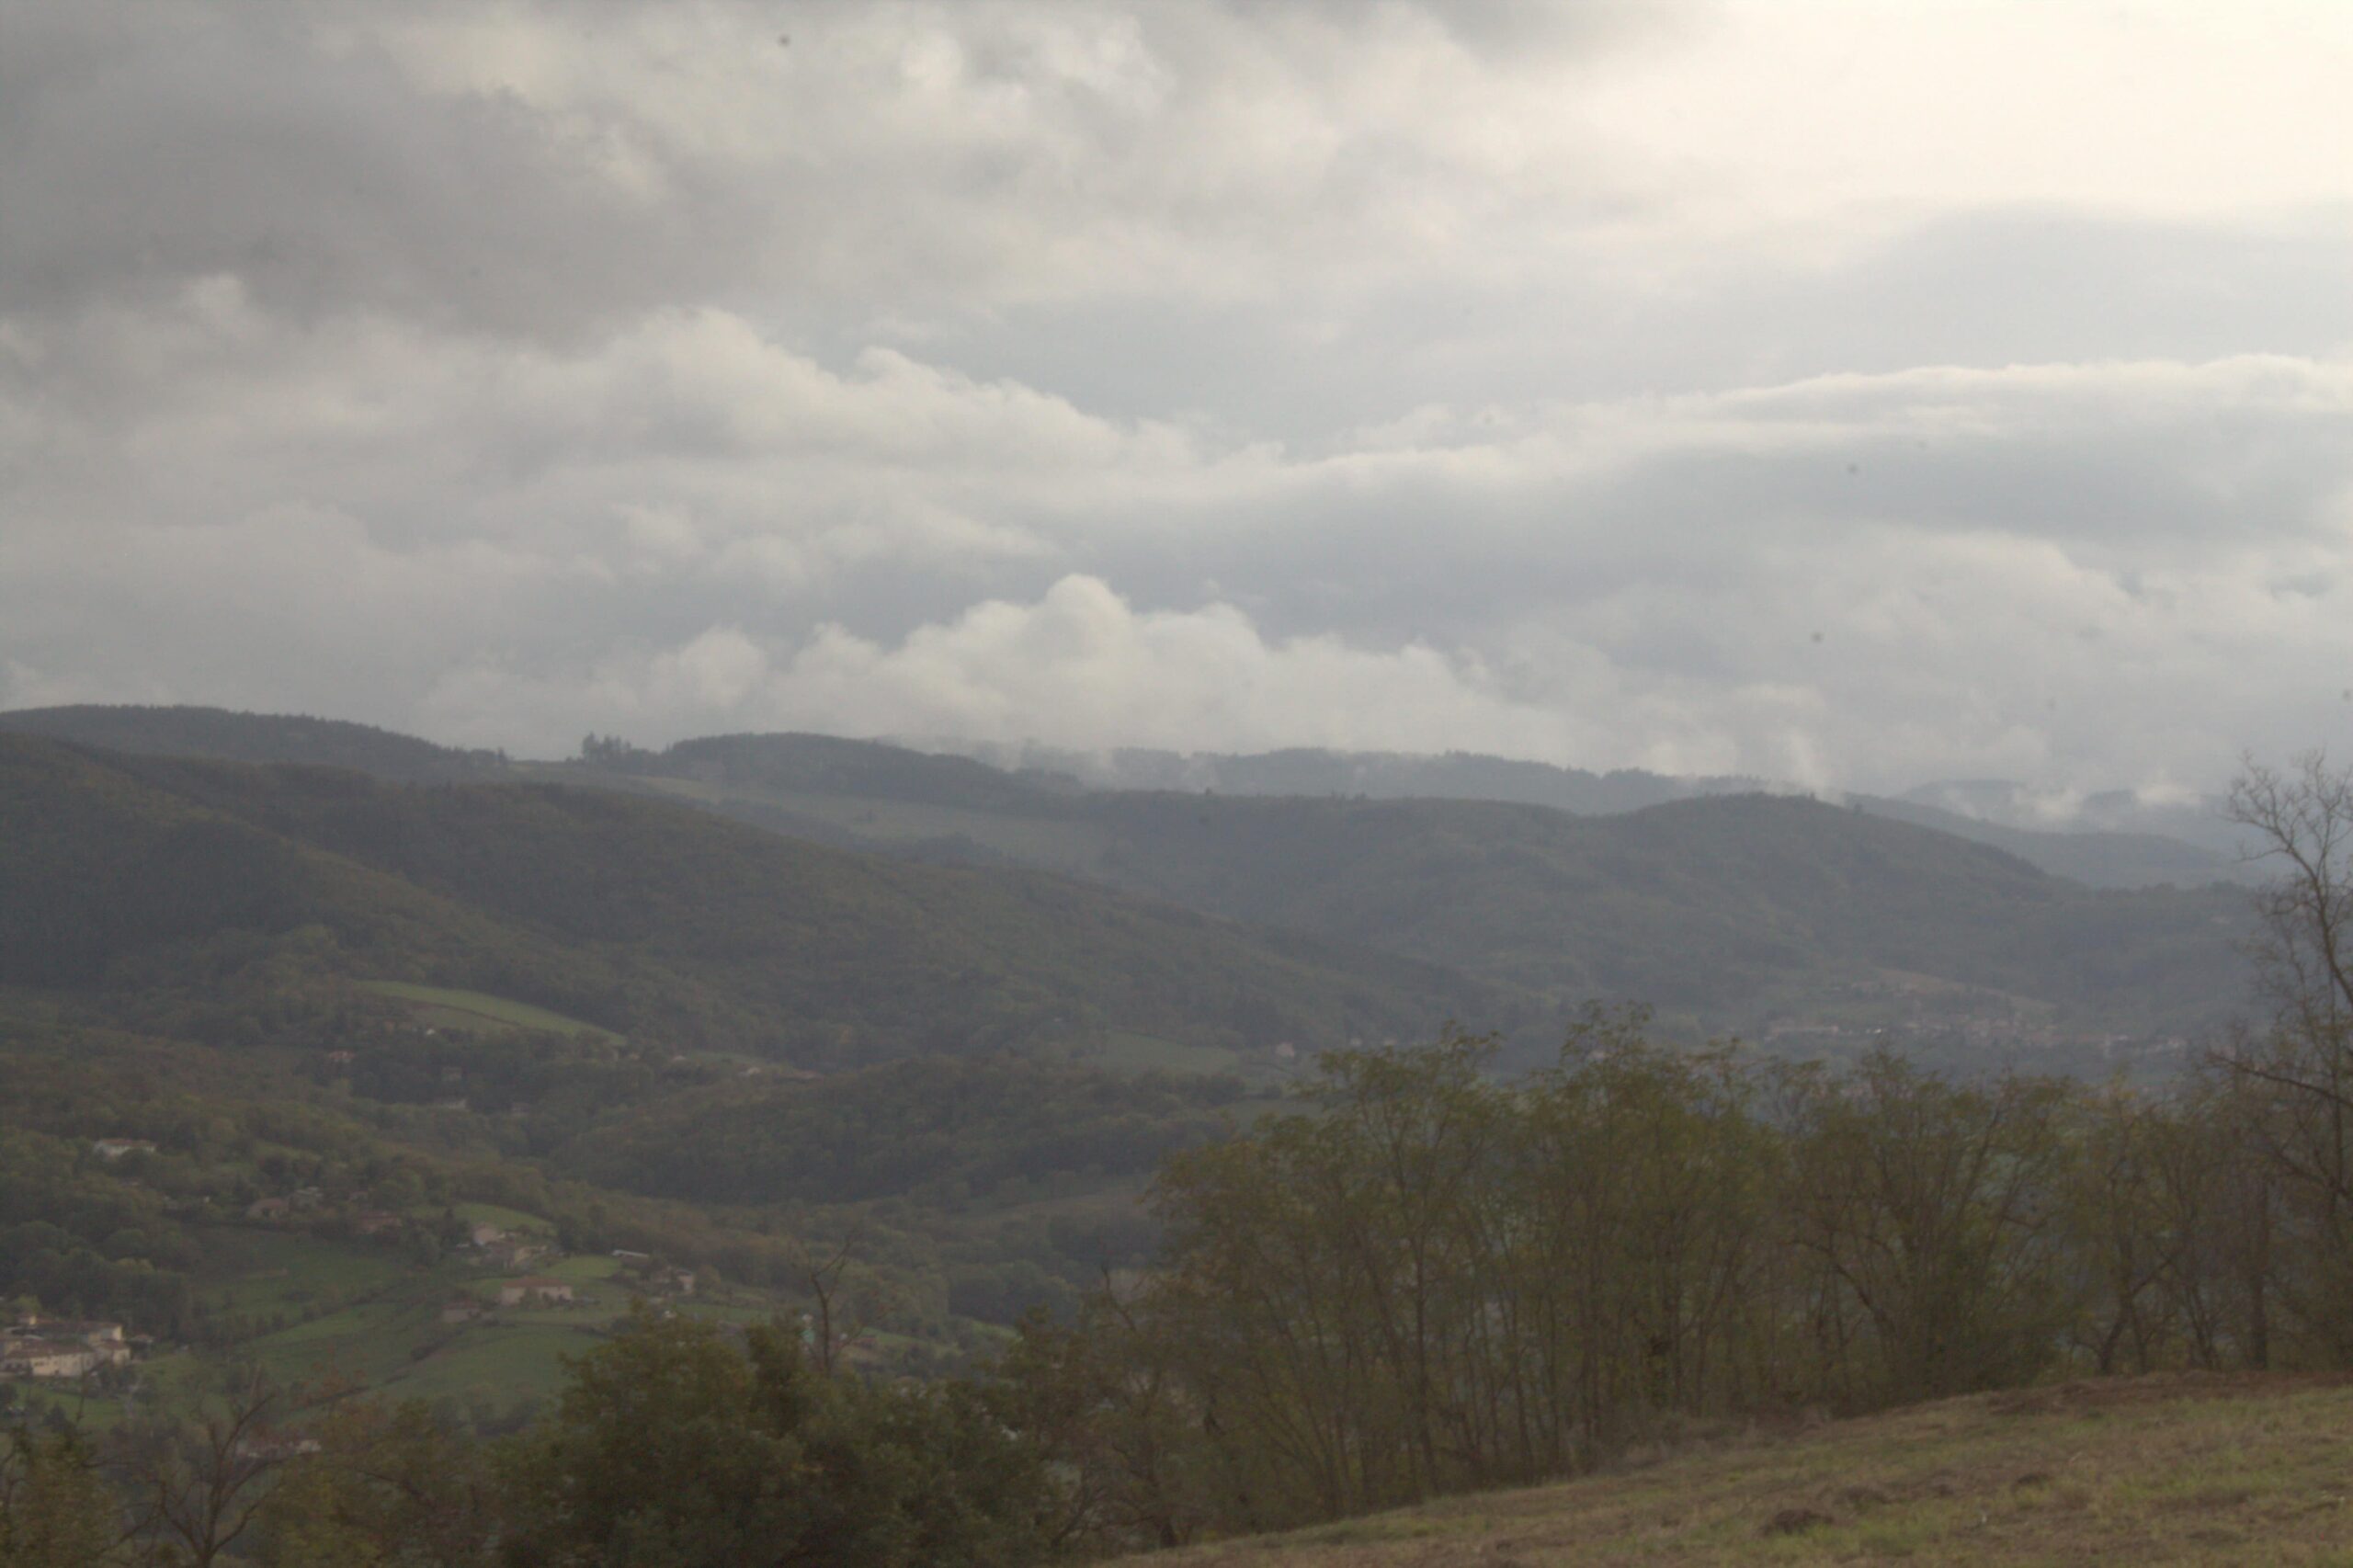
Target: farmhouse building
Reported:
[(534, 1290), (60, 1347), (48, 1358)]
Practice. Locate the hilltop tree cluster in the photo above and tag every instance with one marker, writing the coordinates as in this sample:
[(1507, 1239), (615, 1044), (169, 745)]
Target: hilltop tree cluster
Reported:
[(1435, 1282)]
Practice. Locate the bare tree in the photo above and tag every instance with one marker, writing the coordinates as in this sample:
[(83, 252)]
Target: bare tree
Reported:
[(845, 1302), (2303, 820), (2300, 1062), (201, 1484)]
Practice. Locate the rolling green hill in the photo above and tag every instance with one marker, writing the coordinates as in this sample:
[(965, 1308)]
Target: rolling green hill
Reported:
[(1745, 912), (901, 1128), (637, 917), (1731, 909), (1716, 904), (2091, 856), (226, 736)]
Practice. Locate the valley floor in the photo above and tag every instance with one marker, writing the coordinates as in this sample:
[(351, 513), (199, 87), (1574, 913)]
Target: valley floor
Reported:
[(2164, 1470)]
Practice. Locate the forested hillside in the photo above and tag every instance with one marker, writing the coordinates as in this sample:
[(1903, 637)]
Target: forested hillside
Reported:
[(1714, 904), (1747, 912), (1729, 909), (2094, 857), (2111, 855), (227, 736), (639, 916), (1378, 776)]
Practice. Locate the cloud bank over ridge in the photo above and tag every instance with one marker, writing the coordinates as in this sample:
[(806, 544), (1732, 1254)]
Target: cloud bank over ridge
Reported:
[(1716, 387)]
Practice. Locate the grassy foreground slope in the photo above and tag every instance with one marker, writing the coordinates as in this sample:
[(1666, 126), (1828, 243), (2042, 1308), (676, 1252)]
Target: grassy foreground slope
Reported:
[(2170, 1469)]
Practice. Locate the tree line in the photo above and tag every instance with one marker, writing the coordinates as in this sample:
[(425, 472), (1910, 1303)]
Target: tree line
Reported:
[(1433, 1283)]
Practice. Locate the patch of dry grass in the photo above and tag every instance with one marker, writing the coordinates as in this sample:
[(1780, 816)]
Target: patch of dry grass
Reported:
[(2185, 1469)]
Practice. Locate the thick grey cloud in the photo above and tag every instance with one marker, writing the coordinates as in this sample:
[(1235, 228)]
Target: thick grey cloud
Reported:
[(1409, 376), (146, 146)]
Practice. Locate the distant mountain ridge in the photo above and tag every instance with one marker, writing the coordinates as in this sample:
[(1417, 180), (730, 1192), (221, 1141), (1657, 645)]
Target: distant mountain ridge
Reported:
[(2112, 842), (2199, 821), (125, 872), (225, 735), (2099, 858), (1456, 776), (1723, 905), (1728, 909)]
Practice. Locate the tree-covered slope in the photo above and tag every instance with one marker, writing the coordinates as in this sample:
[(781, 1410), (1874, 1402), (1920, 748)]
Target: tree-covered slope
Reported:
[(108, 880), (2100, 851), (1730, 908), (227, 736), (2093, 857), (828, 765), (638, 916), (1707, 903), (902, 1128)]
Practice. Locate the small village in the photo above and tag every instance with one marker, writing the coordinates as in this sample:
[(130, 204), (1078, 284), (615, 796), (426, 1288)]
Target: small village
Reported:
[(503, 1265)]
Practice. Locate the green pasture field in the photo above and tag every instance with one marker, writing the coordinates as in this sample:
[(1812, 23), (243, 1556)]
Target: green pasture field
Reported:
[(506, 1357), (1058, 845), (477, 1011), (259, 1272), (586, 1269), (512, 1220), (1123, 1051), (368, 1343)]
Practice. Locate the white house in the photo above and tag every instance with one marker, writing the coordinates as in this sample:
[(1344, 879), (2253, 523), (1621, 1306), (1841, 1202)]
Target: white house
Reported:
[(48, 1359), (534, 1290)]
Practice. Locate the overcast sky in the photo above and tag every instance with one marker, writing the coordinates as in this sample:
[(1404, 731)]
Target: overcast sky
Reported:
[(1855, 394)]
